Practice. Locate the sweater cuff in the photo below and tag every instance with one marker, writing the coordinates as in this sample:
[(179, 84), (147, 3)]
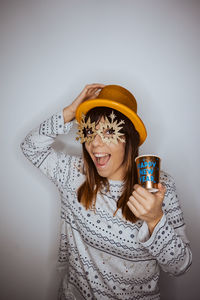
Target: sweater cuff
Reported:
[(55, 125), (144, 236)]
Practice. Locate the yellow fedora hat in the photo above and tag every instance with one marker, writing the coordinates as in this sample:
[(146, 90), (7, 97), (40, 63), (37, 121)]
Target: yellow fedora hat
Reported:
[(119, 98)]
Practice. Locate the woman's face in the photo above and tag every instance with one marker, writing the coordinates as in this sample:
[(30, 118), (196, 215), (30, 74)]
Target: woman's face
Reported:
[(108, 158)]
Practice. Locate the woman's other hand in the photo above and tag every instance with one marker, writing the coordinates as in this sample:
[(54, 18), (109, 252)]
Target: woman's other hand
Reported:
[(147, 206)]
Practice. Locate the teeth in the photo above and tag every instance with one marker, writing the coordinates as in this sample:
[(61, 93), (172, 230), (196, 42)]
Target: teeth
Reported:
[(100, 155)]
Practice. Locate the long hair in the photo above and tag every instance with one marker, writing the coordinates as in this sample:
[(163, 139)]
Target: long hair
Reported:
[(93, 184)]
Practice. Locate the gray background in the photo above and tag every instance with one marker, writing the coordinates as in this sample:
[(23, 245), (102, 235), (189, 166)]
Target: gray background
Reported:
[(49, 51)]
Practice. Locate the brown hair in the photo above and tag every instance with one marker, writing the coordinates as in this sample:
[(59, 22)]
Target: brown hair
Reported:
[(87, 192)]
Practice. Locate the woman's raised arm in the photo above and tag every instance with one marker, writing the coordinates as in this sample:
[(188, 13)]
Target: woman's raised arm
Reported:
[(37, 145)]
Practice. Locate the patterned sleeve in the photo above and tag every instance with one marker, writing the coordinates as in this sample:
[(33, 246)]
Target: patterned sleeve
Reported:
[(37, 148), (168, 242)]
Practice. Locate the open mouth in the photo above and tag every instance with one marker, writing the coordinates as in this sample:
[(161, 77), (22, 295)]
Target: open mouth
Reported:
[(101, 160)]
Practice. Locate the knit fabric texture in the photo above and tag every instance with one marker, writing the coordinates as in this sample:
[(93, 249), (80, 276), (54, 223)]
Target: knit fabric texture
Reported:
[(102, 256)]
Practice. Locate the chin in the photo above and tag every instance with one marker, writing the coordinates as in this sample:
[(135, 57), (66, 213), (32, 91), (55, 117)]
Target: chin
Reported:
[(103, 174)]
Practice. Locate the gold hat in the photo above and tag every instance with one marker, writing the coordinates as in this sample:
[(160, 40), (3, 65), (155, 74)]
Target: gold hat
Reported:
[(119, 98)]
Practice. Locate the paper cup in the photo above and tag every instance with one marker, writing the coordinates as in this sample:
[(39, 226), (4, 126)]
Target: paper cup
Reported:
[(148, 171)]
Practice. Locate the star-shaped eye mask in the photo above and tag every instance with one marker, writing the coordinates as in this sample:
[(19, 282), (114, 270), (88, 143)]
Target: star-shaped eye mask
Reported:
[(109, 131), (86, 130)]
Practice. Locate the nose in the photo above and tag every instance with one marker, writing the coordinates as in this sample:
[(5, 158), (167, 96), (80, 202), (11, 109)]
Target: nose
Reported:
[(97, 140)]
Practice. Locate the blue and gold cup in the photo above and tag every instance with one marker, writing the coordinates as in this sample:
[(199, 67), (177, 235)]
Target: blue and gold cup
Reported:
[(148, 171)]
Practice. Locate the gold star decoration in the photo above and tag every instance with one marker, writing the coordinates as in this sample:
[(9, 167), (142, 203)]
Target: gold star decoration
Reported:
[(86, 130), (108, 131)]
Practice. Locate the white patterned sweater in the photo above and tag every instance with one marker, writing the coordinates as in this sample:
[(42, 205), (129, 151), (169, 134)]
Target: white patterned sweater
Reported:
[(101, 256)]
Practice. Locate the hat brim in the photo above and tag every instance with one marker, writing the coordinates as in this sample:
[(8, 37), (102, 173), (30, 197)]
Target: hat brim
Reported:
[(85, 106)]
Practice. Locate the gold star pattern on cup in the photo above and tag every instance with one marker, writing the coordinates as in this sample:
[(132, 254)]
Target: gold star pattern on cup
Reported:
[(108, 131)]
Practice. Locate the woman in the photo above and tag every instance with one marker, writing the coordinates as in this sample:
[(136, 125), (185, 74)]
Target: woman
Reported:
[(115, 235)]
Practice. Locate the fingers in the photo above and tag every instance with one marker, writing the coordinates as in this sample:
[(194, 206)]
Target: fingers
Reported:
[(139, 198), (162, 188), (161, 191), (145, 205), (93, 90), (141, 191), (137, 204), (89, 91), (136, 207), (132, 208), (145, 198), (94, 85), (145, 193)]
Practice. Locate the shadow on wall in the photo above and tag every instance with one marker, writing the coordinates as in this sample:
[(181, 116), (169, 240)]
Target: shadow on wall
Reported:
[(167, 286)]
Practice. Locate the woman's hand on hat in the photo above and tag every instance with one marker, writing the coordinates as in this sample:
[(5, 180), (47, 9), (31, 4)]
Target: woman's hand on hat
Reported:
[(90, 91), (147, 206)]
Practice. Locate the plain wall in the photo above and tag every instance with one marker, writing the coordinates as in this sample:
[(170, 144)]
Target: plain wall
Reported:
[(49, 51)]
